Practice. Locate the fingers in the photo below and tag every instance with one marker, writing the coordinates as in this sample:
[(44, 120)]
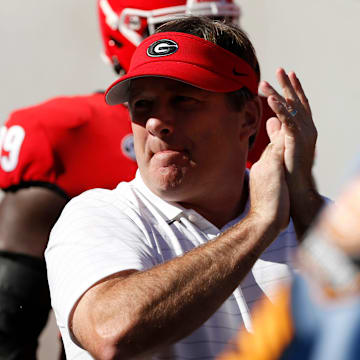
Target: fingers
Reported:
[(294, 96), (287, 87), (293, 108), (268, 90), (281, 111), (290, 94), (274, 97), (293, 91), (275, 100), (295, 82)]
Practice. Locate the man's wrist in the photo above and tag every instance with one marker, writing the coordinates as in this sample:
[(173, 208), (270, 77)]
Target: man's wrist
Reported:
[(305, 199), (305, 205), (264, 224)]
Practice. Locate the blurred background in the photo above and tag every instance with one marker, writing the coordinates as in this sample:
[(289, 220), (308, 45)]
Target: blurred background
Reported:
[(51, 48)]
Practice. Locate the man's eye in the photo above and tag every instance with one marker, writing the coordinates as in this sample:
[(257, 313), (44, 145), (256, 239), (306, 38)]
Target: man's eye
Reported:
[(141, 104), (185, 100)]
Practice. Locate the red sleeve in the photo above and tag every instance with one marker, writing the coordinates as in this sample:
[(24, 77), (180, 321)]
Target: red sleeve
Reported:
[(26, 155), (70, 144), (91, 142)]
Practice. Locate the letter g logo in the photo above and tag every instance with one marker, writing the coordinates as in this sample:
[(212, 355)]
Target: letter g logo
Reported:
[(163, 47)]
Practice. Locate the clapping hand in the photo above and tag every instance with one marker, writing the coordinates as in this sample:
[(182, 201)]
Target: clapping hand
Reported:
[(294, 123)]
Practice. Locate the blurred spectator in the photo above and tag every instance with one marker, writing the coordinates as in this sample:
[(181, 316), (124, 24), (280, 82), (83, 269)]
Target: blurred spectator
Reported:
[(317, 316)]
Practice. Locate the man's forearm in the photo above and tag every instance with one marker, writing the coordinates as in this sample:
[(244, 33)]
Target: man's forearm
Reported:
[(147, 310)]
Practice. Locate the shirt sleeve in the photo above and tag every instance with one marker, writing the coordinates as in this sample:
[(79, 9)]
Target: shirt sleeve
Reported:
[(92, 240), (25, 152)]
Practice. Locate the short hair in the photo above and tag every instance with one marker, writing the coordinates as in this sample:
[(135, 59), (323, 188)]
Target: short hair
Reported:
[(229, 37)]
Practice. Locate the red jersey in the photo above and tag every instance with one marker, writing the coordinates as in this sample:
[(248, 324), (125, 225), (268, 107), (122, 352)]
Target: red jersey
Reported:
[(72, 144)]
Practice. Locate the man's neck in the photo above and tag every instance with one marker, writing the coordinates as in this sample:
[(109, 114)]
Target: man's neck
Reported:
[(222, 209)]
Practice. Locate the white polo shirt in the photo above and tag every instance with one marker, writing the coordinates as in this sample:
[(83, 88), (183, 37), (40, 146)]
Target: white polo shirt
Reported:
[(102, 232)]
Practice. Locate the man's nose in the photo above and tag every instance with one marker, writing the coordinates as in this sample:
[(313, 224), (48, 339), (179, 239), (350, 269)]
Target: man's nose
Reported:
[(160, 124)]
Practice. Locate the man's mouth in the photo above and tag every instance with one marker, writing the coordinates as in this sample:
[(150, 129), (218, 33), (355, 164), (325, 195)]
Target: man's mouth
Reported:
[(169, 157)]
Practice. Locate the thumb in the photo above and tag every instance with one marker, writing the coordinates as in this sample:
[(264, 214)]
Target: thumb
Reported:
[(273, 126)]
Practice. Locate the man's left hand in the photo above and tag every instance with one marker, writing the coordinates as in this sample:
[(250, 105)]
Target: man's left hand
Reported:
[(294, 119)]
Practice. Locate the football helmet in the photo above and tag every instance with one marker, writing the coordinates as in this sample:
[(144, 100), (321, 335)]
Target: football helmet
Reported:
[(125, 23)]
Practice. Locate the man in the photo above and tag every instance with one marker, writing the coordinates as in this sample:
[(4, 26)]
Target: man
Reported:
[(52, 152), (152, 269)]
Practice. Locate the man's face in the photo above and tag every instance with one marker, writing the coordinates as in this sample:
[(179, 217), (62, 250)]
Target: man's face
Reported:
[(188, 142)]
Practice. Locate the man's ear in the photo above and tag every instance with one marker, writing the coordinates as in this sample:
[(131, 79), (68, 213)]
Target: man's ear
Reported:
[(252, 114)]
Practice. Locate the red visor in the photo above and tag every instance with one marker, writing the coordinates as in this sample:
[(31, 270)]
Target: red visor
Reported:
[(185, 58)]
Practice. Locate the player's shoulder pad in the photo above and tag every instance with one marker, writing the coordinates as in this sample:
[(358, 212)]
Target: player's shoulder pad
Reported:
[(66, 111)]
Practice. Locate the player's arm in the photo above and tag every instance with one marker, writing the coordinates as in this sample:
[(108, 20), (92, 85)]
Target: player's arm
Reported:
[(26, 218), (136, 313), (32, 200)]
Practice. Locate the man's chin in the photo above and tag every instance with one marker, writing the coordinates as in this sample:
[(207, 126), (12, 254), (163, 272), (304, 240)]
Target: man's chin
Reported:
[(168, 182), (170, 177)]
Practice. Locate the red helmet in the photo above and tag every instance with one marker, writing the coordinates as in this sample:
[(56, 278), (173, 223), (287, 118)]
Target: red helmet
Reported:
[(125, 23)]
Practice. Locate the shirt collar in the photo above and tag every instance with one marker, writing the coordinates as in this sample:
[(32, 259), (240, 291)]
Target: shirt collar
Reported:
[(172, 211)]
